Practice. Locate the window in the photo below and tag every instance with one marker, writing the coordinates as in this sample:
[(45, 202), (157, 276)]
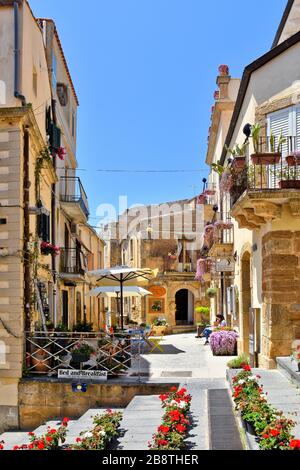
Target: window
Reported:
[(286, 121), (43, 225)]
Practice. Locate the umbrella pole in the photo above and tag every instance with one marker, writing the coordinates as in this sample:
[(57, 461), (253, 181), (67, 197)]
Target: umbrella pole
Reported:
[(121, 299)]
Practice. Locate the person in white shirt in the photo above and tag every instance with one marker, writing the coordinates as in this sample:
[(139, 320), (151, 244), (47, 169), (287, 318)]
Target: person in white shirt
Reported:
[(220, 322)]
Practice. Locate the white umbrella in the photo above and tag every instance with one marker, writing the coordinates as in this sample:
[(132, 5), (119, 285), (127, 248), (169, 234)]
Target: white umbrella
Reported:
[(120, 275), (114, 291)]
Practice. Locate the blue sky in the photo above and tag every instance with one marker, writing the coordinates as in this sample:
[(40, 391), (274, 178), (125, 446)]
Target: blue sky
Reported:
[(145, 73)]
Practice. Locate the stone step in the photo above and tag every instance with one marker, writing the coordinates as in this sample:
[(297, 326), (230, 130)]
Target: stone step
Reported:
[(140, 421)]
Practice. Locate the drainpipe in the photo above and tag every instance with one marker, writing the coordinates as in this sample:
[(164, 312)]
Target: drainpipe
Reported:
[(27, 269), (17, 53), (53, 226)]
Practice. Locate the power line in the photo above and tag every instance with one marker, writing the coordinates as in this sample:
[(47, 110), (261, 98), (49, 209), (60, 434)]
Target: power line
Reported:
[(151, 171)]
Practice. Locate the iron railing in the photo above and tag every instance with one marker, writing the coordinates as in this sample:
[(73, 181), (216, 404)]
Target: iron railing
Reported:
[(47, 353), (72, 261), (72, 190)]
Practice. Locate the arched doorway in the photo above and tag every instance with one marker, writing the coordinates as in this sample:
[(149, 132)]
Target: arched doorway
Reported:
[(246, 300), (184, 314)]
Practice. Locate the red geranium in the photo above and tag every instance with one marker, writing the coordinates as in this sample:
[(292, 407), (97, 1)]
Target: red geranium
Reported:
[(180, 428), (295, 444), (265, 436), (247, 368), (164, 429), (274, 432), (162, 442), (1, 447)]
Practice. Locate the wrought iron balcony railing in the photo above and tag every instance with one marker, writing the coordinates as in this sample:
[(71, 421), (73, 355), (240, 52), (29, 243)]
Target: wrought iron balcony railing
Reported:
[(72, 261), (72, 192)]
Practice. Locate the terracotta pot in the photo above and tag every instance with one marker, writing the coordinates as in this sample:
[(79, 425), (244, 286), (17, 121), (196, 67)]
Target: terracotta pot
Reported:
[(239, 162), (40, 360), (265, 158), (289, 184), (201, 199), (209, 192), (293, 160)]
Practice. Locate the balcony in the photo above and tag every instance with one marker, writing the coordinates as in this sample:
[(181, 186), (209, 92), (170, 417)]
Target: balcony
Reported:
[(218, 236), (73, 264), (74, 199), (261, 189)]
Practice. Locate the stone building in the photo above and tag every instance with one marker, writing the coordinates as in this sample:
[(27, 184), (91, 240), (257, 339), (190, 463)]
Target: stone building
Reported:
[(165, 237), (46, 244), (260, 189)]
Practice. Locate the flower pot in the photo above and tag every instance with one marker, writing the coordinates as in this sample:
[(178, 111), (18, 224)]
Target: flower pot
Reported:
[(159, 330), (239, 163), (265, 158), (40, 360), (293, 160), (201, 199), (79, 357), (289, 184), (250, 428), (209, 192)]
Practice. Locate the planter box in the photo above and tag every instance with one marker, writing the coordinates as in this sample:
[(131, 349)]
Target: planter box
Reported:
[(265, 158), (249, 428), (289, 184), (293, 160), (159, 330)]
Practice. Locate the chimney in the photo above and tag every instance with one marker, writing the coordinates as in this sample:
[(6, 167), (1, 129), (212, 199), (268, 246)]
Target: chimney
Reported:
[(223, 80)]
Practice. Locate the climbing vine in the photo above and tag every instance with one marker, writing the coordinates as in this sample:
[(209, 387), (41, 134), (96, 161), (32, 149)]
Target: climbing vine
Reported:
[(44, 158)]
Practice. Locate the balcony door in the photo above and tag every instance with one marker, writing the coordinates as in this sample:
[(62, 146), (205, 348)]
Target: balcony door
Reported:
[(65, 308)]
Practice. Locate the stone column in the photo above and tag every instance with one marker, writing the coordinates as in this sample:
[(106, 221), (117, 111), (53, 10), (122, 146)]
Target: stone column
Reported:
[(281, 295)]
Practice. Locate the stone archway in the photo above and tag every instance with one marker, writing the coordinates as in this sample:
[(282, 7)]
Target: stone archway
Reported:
[(184, 311)]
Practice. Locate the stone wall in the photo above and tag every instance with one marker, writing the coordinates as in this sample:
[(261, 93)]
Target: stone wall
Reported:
[(41, 400), (281, 295)]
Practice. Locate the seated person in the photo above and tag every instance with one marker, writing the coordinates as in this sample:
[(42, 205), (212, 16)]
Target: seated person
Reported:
[(220, 321)]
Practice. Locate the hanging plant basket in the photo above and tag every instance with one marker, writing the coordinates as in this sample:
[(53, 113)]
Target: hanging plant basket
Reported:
[(265, 158)]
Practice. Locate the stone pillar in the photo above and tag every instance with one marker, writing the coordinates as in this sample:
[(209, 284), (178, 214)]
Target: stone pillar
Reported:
[(281, 295)]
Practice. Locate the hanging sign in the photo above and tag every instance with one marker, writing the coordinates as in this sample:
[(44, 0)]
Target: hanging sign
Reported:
[(225, 265), (157, 291)]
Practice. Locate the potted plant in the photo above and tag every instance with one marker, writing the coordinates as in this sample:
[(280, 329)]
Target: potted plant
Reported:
[(293, 159), (81, 352), (211, 292), (159, 326), (289, 178), (266, 158), (49, 249), (238, 152), (201, 199), (203, 318), (223, 342), (83, 327)]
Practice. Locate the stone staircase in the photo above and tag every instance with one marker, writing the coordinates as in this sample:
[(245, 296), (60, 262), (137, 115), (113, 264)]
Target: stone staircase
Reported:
[(75, 427), (143, 415)]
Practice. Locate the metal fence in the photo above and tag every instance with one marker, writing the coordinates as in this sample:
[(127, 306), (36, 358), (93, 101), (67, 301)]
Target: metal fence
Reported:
[(47, 353)]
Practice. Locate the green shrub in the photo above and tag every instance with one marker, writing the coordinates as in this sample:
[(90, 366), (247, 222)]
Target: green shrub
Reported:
[(239, 362)]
